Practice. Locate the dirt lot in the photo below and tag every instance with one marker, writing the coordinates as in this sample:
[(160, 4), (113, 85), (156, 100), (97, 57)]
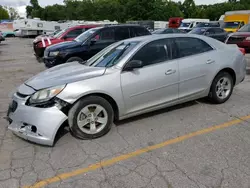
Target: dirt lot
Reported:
[(196, 145)]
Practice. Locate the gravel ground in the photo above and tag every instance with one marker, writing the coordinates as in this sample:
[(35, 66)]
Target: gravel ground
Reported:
[(214, 157)]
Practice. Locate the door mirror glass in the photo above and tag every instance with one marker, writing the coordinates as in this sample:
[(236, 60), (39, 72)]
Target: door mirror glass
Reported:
[(93, 41), (134, 64)]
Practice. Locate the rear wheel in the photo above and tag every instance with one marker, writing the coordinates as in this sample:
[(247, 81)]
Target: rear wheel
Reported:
[(222, 88), (72, 59), (91, 117)]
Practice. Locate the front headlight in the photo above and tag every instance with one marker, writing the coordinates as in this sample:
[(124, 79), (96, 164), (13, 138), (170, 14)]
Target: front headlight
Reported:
[(46, 94), (53, 54), (248, 38)]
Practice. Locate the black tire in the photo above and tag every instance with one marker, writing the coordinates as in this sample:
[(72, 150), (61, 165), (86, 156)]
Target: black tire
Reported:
[(76, 109), (71, 59), (212, 94)]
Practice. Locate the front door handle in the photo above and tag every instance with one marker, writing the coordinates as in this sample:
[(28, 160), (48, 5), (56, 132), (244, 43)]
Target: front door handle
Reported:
[(210, 61), (170, 71)]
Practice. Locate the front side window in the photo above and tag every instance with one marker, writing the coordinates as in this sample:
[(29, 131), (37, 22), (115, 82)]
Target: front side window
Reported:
[(191, 46), (86, 34), (74, 33), (111, 55), (152, 53), (106, 35)]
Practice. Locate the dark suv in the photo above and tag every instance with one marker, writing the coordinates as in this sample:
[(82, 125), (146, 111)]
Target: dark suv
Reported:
[(89, 43)]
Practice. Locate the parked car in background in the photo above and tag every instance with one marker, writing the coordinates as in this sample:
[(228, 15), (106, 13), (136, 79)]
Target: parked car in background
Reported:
[(8, 34), (69, 34), (241, 38), (174, 22), (188, 24), (168, 31), (207, 24), (89, 43), (1, 37), (213, 32), (115, 84)]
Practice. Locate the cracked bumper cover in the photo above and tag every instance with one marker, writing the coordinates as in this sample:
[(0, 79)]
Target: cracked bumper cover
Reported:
[(46, 121)]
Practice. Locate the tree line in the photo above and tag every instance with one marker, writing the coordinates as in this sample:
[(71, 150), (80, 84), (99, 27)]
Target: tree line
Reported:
[(8, 13), (124, 10)]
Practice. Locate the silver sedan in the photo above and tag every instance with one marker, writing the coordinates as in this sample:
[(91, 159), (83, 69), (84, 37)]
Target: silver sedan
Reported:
[(126, 79)]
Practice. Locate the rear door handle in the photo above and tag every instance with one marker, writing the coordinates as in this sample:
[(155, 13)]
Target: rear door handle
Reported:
[(170, 71), (210, 61)]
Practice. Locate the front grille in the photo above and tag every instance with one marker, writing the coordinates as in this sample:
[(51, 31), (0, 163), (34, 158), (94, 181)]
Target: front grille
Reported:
[(236, 39), (21, 95)]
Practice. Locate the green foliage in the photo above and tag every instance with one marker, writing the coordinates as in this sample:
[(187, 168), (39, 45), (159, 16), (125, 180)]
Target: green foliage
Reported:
[(123, 10), (3, 13)]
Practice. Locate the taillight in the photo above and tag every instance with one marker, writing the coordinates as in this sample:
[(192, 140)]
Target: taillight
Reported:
[(243, 51)]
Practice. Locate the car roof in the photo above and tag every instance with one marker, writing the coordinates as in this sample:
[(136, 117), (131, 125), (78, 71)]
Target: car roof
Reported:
[(124, 25), (149, 38)]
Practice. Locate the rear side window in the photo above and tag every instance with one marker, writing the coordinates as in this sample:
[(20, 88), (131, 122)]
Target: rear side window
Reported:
[(140, 31), (121, 33), (191, 46)]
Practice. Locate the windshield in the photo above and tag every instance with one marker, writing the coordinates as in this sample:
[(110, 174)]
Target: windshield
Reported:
[(86, 34), (60, 33), (158, 31), (245, 28), (185, 24), (111, 55), (198, 31), (231, 25)]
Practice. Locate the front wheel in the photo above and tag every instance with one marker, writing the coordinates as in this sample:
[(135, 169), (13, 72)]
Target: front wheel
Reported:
[(72, 59), (222, 88), (91, 117)]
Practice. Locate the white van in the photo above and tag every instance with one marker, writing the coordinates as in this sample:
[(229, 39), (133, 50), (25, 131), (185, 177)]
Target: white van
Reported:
[(188, 24)]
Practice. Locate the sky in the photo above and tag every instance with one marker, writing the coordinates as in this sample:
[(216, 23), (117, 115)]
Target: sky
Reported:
[(21, 4)]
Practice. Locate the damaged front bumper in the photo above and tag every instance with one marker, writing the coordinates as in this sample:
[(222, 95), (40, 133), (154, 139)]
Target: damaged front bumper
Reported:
[(35, 124)]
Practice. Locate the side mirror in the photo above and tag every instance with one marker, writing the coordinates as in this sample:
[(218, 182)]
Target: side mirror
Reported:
[(134, 64), (65, 37), (207, 33), (93, 41)]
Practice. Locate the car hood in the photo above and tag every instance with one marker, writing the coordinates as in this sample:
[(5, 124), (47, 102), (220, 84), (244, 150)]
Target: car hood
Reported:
[(63, 45), (64, 74), (245, 34)]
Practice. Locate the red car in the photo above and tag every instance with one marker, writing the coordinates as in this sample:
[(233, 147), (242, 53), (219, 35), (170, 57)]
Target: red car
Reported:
[(241, 38), (69, 34)]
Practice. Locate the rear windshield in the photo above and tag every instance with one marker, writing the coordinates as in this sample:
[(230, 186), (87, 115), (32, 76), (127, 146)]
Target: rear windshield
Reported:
[(231, 25), (198, 31)]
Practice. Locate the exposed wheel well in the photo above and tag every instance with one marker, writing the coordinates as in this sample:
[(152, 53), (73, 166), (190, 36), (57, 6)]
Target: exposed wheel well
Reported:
[(110, 100), (231, 72)]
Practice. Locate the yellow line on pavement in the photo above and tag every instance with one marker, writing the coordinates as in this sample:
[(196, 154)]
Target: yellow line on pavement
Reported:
[(114, 160)]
